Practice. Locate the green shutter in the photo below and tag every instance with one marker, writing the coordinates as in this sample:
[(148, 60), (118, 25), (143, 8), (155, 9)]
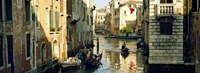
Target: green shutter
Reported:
[(51, 19), (57, 19)]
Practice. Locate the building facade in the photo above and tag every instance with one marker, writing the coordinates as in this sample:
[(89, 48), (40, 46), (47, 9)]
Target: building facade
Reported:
[(165, 33), (107, 17), (80, 27), (49, 18), (32, 35), (195, 37), (16, 36), (124, 13), (127, 15), (100, 18), (114, 4)]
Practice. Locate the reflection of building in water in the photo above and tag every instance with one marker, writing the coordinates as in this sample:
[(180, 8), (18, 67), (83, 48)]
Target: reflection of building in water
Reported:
[(115, 59)]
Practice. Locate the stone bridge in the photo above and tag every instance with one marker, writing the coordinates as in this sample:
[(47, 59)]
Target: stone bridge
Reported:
[(101, 30)]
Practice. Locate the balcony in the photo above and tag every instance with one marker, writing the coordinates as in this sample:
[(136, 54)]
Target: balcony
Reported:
[(168, 9)]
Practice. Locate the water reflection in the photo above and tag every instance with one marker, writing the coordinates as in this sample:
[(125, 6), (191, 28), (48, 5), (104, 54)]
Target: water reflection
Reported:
[(125, 55), (113, 61)]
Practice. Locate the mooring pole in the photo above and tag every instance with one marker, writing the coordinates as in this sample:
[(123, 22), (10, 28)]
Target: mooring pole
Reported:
[(97, 45)]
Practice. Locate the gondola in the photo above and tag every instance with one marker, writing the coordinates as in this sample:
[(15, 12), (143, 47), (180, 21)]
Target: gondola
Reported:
[(125, 50), (95, 62)]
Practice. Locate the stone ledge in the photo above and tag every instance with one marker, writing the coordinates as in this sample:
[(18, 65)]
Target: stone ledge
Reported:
[(165, 62)]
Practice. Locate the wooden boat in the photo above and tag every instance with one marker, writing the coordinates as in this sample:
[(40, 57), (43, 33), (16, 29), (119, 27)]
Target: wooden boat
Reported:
[(93, 62), (71, 63), (125, 54), (125, 50)]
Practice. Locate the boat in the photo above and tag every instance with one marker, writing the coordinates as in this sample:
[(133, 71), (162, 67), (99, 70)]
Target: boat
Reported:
[(125, 50), (95, 62), (125, 54), (71, 63)]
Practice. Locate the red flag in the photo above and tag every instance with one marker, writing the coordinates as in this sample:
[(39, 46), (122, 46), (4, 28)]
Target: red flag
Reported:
[(132, 10)]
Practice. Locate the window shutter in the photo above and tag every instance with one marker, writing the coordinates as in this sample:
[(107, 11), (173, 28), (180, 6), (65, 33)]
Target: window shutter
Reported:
[(57, 19), (51, 20)]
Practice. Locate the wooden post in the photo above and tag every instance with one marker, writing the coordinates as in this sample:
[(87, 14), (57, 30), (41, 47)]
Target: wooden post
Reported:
[(97, 45)]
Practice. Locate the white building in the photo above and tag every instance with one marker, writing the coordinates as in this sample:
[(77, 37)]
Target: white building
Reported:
[(126, 14), (100, 18)]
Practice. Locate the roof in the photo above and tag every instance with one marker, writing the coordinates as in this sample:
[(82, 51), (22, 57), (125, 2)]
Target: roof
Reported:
[(131, 2)]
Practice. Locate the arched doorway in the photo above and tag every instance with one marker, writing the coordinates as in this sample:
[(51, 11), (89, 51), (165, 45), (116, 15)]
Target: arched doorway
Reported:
[(55, 50), (43, 52)]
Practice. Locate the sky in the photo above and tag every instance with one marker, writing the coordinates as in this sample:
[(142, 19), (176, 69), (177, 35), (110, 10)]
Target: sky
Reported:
[(101, 3)]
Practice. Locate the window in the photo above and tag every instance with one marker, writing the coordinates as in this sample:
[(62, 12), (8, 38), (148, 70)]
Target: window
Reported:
[(166, 28), (57, 19), (10, 48), (36, 17), (1, 18), (166, 1), (51, 20), (129, 5), (8, 6), (124, 12), (43, 52), (47, 17), (27, 3), (1, 51), (28, 47), (85, 13)]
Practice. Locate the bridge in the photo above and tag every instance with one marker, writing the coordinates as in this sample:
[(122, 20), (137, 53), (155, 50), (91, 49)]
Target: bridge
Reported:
[(101, 30)]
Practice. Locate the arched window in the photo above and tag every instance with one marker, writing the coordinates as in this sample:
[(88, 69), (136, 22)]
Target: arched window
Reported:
[(43, 52), (55, 50)]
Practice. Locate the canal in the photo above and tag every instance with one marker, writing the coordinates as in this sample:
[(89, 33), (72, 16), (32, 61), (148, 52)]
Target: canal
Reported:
[(112, 61)]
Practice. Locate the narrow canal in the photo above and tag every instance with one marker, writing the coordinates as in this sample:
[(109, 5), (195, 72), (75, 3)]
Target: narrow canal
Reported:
[(112, 61)]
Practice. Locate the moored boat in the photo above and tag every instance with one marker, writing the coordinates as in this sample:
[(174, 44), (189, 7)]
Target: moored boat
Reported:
[(71, 63)]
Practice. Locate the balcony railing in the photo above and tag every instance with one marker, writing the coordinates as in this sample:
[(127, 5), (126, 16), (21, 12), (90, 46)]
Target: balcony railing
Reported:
[(166, 9)]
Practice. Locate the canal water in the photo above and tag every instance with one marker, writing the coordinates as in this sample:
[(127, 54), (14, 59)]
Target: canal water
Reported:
[(112, 61)]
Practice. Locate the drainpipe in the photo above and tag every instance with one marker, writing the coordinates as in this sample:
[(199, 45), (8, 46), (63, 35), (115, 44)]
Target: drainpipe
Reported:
[(197, 47), (188, 31), (34, 41), (197, 5)]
